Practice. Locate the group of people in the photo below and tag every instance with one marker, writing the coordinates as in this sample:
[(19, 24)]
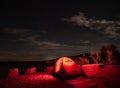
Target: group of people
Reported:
[(107, 55)]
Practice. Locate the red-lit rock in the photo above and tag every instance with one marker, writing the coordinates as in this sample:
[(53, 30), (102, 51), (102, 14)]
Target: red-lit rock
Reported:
[(48, 70), (13, 72), (31, 70), (111, 69), (93, 70)]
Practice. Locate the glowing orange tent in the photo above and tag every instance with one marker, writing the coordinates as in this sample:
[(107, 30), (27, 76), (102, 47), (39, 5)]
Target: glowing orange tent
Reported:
[(65, 67)]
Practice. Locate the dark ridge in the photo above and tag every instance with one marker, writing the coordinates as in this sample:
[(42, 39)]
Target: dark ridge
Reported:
[(40, 65)]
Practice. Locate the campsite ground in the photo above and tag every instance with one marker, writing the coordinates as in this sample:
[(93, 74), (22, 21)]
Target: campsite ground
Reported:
[(43, 80), (23, 65)]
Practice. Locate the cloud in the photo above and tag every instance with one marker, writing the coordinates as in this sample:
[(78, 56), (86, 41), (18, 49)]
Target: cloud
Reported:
[(16, 30), (108, 28), (29, 37), (47, 43), (80, 20), (84, 41), (3, 53), (33, 39)]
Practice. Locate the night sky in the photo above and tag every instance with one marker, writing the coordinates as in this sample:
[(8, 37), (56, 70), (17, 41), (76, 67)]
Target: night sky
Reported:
[(35, 31)]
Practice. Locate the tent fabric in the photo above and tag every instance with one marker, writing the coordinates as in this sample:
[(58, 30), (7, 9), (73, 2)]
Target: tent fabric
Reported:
[(66, 67)]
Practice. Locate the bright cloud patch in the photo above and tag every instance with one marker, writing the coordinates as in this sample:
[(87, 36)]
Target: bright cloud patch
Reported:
[(107, 27)]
